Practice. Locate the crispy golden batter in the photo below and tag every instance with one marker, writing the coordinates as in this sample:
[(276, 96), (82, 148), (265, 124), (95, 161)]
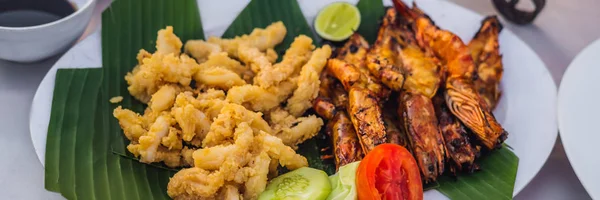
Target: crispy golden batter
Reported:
[(230, 192), (292, 130), (277, 150), (167, 42), (221, 130), (163, 99), (148, 147), (212, 158), (209, 102), (245, 161), (278, 80), (165, 66), (149, 117), (217, 127), (257, 183), (259, 99), (158, 70), (293, 59), (116, 99), (308, 82), (187, 156), (256, 59), (262, 39), (218, 77), (284, 89), (221, 60), (201, 50), (271, 55), (195, 183), (173, 140), (193, 122), (130, 122), (254, 97)]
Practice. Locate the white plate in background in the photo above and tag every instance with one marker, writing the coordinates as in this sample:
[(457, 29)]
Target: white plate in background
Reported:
[(578, 116)]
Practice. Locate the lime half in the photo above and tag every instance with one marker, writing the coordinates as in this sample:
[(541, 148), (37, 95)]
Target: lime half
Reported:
[(337, 21)]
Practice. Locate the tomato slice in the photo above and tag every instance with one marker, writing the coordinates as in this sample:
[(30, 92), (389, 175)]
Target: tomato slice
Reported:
[(389, 171)]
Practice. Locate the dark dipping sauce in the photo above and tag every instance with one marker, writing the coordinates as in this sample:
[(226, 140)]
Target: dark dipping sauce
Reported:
[(24, 13)]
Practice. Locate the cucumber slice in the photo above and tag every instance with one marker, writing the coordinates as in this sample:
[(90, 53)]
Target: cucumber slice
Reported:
[(303, 183)]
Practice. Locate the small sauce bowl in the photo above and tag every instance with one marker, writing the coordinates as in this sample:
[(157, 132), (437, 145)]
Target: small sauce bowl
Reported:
[(32, 30)]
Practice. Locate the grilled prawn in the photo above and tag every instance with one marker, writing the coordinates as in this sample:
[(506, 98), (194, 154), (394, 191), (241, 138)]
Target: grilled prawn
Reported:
[(365, 92), (394, 134), (345, 72), (323, 104), (383, 58), (346, 146), (367, 118), (398, 60), (462, 99), (459, 151), (354, 53), (418, 120), (331, 104), (488, 61)]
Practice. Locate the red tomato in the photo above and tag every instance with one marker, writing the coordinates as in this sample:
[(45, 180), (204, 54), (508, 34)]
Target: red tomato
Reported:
[(389, 172)]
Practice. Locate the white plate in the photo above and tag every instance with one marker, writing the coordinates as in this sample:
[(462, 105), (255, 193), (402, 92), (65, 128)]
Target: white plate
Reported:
[(578, 116), (527, 109)]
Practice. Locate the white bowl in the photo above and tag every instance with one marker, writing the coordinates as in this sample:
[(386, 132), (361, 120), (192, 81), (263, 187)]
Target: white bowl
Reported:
[(34, 43)]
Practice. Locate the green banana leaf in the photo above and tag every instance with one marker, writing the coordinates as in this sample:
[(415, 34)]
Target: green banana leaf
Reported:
[(495, 180), (80, 164), (86, 156), (69, 139), (371, 12)]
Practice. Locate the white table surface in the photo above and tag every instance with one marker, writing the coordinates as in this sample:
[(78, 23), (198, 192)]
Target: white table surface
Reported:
[(558, 34)]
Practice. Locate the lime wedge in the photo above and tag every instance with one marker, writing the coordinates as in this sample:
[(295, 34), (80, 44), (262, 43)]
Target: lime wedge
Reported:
[(337, 21)]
